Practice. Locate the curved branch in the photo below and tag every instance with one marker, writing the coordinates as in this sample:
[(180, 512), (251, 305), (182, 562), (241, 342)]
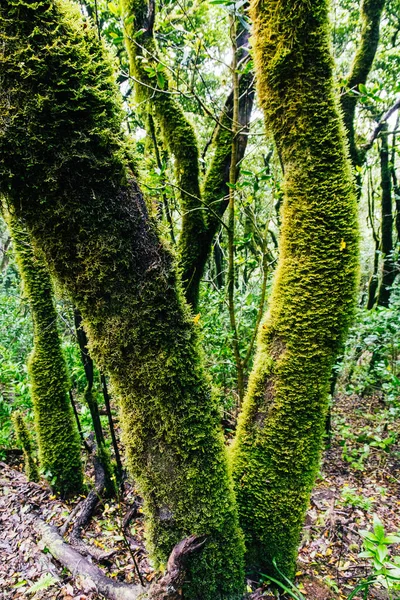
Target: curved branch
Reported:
[(380, 125), (371, 13), (176, 129)]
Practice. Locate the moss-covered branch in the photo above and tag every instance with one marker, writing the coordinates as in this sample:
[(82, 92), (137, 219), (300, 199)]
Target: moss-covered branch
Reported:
[(176, 130), (201, 208), (64, 170), (371, 13), (276, 452), (57, 435)]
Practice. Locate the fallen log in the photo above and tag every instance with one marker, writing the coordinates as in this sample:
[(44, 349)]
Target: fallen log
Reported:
[(168, 587), (77, 564)]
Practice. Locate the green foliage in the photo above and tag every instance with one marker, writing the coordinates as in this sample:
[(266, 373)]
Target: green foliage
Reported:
[(351, 498), (45, 582), (371, 363), (15, 346), (385, 570)]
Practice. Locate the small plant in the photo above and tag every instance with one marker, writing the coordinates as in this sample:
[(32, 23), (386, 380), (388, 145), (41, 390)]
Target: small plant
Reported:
[(43, 583), (351, 498), (385, 571), (285, 584)]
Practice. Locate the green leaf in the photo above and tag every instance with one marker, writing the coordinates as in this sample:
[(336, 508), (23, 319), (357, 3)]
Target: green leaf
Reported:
[(379, 529), (362, 88), (160, 80), (45, 581), (391, 539)]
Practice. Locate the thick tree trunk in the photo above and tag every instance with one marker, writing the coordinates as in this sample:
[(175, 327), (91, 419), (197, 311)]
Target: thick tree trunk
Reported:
[(68, 177), (276, 452), (57, 435)]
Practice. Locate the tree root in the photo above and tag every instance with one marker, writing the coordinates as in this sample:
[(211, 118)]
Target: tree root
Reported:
[(70, 518), (168, 587), (77, 564), (88, 507)]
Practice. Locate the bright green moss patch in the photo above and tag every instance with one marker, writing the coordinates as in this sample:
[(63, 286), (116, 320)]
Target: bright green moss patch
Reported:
[(57, 435), (64, 170), (276, 452)]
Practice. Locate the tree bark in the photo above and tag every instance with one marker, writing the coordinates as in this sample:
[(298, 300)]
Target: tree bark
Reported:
[(68, 177), (276, 451)]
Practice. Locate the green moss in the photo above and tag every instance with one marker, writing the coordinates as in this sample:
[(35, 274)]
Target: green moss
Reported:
[(24, 438), (64, 170), (57, 435), (276, 452)]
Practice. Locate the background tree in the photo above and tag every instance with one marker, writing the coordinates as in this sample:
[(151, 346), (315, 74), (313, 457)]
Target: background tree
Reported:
[(57, 435)]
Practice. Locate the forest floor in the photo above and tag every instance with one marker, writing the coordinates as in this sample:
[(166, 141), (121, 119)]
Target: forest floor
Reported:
[(360, 477)]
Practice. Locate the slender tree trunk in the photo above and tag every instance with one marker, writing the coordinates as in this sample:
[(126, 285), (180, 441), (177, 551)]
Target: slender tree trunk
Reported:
[(23, 436), (374, 279), (277, 448), (112, 428), (102, 452), (388, 266), (57, 435), (371, 13), (69, 178)]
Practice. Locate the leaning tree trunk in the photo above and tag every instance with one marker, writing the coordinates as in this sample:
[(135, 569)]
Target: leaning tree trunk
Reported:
[(57, 434), (277, 448), (64, 168)]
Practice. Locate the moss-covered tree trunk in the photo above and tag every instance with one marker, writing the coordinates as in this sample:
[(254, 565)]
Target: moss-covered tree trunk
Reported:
[(64, 170), (277, 448), (57, 434)]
